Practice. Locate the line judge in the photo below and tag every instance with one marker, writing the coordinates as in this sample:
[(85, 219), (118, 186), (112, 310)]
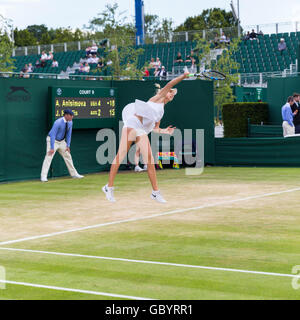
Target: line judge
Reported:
[(59, 139)]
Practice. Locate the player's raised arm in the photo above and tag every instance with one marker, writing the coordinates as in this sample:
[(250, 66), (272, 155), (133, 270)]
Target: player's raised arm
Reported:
[(173, 83)]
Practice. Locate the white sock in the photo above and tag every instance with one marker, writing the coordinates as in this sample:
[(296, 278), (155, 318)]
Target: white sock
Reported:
[(155, 192), (109, 188)]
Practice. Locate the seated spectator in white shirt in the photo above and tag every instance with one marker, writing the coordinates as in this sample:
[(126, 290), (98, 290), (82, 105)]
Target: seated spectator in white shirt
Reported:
[(30, 67), (223, 38), (44, 56), (37, 64), (89, 59), (54, 64), (94, 49), (43, 59), (50, 56)]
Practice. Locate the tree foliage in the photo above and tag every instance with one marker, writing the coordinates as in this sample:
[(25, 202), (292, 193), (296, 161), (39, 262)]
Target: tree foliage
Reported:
[(223, 90), (160, 29), (120, 52), (40, 34), (6, 46), (208, 19)]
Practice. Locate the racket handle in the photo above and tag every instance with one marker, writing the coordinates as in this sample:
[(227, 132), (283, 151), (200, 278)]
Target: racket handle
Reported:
[(192, 75)]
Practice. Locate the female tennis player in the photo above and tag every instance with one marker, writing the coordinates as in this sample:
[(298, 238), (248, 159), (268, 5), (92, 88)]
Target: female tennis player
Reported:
[(140, 118)]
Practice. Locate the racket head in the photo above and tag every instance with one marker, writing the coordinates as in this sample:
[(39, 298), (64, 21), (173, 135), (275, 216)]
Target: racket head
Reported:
[(214, 75)]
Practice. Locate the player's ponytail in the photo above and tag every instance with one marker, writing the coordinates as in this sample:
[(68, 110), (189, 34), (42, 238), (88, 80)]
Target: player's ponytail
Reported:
[(158, 88)]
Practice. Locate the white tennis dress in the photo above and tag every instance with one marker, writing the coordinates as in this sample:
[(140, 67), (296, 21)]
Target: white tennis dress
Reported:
[(151, 112)]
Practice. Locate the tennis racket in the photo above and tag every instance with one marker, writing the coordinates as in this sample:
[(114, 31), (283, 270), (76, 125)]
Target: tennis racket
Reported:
[(210, 74)]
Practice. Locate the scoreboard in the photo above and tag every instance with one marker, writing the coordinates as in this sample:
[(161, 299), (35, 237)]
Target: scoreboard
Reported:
[(92, 107)]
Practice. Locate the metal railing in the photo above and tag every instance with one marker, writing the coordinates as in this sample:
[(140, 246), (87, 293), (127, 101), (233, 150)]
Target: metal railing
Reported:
[(261, 79), (245, 79)]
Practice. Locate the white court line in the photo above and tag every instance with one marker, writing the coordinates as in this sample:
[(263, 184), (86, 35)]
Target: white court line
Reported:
[(74, 290), (147, 217), (154, 262)]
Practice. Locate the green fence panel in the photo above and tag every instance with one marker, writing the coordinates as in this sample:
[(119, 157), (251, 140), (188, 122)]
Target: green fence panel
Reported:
[(258, 151)]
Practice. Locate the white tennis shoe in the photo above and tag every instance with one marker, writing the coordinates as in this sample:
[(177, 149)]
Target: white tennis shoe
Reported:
[(78, 176), (157, 197), (109, 192), (138, 169)]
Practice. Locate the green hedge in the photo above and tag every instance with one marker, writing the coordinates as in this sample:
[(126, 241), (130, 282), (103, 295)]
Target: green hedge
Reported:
[(235, 117)]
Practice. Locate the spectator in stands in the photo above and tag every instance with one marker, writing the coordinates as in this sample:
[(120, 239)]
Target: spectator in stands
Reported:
[(24, 72), (94, 49), (87, 68), (44, 58), (146, 72), (50, 56), (247, 36), (30, 67), (25, 69), (87, 51), (179, 58), (288, 117), (95, 59), (281, 46), (193, 68), (190, 56), (152, 64), (223, 38), (216, 41), (156, 72), (296, 106), (253, 35), (261, 33), (163, 73), (158, 63), (81, 68), (37, 64), (89, 59), (54, 64)]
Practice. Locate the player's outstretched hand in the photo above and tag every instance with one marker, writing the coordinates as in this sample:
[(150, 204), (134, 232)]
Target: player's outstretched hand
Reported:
[(186, 74), (169, 130)]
